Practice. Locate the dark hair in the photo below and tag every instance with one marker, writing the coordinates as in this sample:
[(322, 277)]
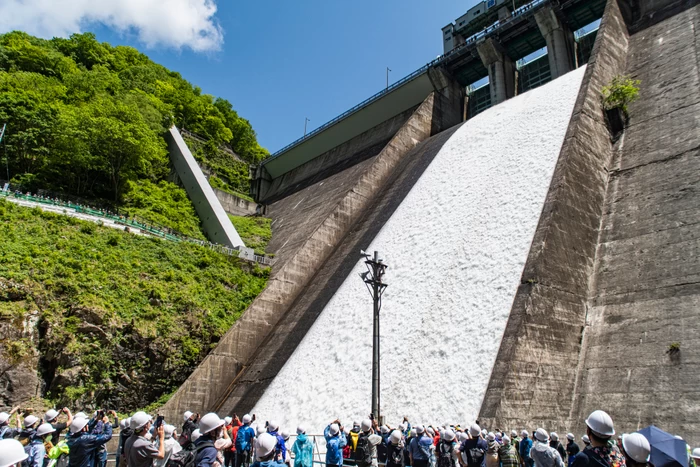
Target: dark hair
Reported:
[(594, 437)]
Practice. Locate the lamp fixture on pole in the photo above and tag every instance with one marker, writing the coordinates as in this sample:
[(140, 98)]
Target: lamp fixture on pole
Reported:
[(373, 279)]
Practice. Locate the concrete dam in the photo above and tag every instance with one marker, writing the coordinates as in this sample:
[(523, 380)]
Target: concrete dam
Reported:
[(561, 263)]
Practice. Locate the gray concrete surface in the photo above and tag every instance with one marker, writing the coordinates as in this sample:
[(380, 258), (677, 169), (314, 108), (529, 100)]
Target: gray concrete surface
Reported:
[(314, 223), (215, 223), (533, 379), (560, 42), (501, 70), (235, 205), (645, 294)]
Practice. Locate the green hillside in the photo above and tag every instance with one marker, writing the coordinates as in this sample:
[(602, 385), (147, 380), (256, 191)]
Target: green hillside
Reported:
[(86, 120)]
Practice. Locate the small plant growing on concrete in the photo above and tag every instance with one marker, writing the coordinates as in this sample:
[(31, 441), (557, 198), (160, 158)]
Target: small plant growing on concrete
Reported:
[(674, 348), (620, 92)]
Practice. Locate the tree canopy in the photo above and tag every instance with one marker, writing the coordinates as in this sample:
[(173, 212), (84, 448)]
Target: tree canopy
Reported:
[(86, 119)]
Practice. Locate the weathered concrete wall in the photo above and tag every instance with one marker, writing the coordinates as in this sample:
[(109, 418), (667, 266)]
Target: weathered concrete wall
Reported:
[(645, 293), (232, 204), (215, 223), (534, 375), (312, 226), (336, 160)]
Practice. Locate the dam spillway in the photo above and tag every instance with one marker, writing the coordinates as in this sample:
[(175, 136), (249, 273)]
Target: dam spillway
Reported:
[(456, 247)]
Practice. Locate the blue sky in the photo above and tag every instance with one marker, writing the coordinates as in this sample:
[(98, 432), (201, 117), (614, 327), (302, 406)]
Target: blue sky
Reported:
[(282, 61)]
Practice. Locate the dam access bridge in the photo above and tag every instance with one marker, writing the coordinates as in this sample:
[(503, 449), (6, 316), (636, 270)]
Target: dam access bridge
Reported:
[(511, 32)]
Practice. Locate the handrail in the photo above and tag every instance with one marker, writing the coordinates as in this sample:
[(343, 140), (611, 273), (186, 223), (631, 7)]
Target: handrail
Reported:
[(469, 41)]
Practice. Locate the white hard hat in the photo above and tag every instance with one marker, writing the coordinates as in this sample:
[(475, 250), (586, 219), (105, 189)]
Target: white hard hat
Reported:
[(484, 432), (228, 420), (169, 430), (334, 429), (50, 415), (366, 424), (272, 426), (506, 440), (449, 435), (80, 415), (78, 424), (4, 417), (419, 429), (601, 424), (45, 429), (30, 420), (430, 431), (570, 436), (475, 430), (284, 435), (301, 430), (524, 434), (395, 437), (514, 433), (541, 435), (140, 420), (585, 439), (187, 415), (247, 419), (196, 434), (384, 429), (463, 436), (124, 424), (637, 447), (265, 444), (696, 453), (210, 422), (554, 436), (259, 429), (11, 452)]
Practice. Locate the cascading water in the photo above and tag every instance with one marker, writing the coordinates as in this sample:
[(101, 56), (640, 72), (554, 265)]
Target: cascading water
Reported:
[(456, 247)]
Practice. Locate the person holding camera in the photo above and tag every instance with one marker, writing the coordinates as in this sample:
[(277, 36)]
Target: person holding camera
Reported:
[(335, 442), (83, 445), (51, 417), (138, 450)]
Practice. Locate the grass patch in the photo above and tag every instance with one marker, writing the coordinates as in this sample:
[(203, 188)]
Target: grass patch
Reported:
[(255, 232)]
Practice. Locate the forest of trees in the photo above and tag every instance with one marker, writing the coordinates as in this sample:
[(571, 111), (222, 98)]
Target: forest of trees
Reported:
[(87, 119)]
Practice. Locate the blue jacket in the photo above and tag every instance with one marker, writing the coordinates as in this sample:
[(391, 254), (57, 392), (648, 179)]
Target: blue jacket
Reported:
[(281, 448), (419, 447), (35, 451), (206, 456), (303, 451), (244, 438), (8, 432), (334, 447), (83, 447), (469, 444), (525, 446)]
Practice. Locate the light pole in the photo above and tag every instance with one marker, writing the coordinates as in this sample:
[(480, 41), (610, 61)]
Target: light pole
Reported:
[(376, 286), (306, 120), (387, 77)]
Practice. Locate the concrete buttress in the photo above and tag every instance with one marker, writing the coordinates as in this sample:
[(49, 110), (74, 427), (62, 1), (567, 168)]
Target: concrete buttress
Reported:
[(501, 70), (560, 42)]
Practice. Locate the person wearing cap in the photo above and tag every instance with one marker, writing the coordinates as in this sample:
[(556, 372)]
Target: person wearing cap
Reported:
[(211, 443), (420, 448), (96, 427), (473, 449), (171, 446), (586, 441), (695, 456), (556, 444), (445, 451), (125, 432), (11, 453), (383, 446), (232, 426), (636, 449), (599, 430), (6, 431), (335, 442), (525, 448), (139, 451), (36, 451), (83, 444), (31, 422), (395, 457), (542, 453), (51, 416), (244, 442), (302, 449), (571, 448), (281, 449), (265, 451), (491, 456), (507, 455)]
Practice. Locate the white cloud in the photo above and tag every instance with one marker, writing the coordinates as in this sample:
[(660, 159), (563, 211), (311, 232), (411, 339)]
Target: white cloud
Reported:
[(170, 23)]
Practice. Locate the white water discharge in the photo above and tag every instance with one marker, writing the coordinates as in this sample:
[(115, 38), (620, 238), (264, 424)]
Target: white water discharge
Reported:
[(456, 247)]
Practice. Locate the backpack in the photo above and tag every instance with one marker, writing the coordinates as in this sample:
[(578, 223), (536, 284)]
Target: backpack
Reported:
[(395, 456), (382, 452), (25, 436), (475, 455), (186, 458), (363, 451), (445, 455)]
